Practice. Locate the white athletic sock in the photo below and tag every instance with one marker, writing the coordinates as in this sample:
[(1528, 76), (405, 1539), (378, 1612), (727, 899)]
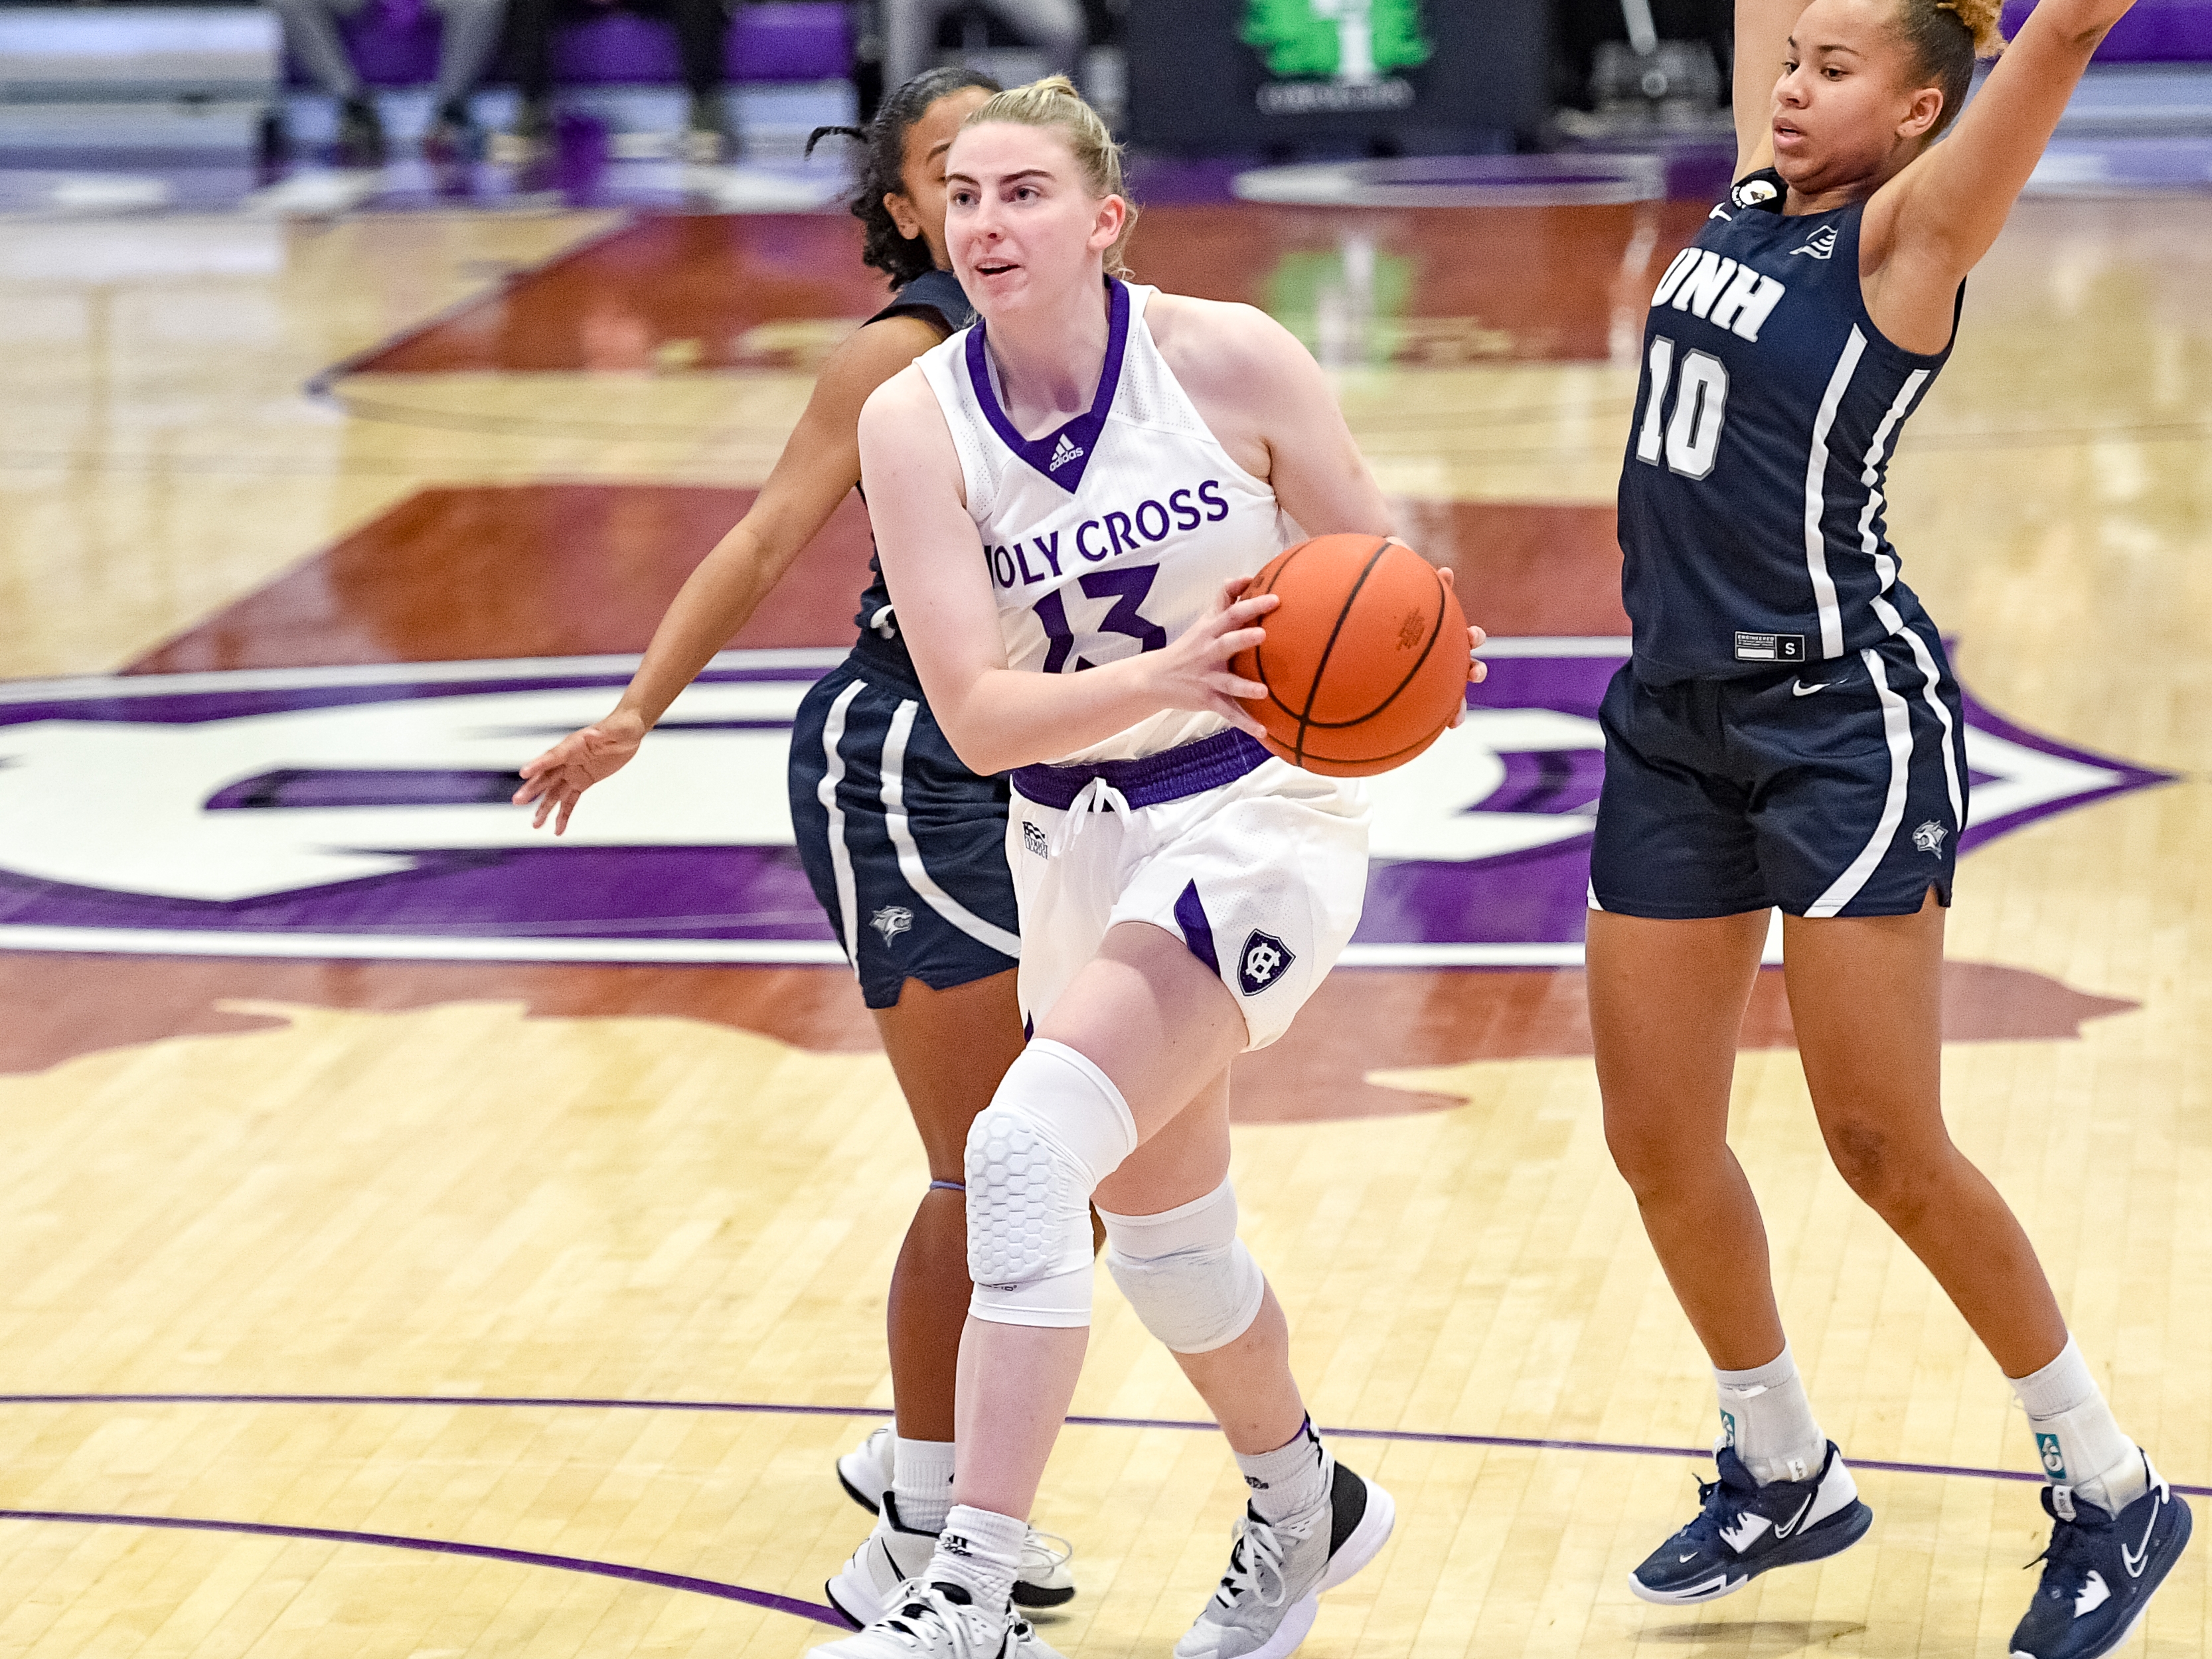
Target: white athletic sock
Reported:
[(2079, 1443), (981, 1551), (1286, 1481), (921, 1481), (1765, 1416)]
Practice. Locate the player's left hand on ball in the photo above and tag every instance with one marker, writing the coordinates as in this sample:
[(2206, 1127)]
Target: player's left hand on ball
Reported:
[(1477, 670)]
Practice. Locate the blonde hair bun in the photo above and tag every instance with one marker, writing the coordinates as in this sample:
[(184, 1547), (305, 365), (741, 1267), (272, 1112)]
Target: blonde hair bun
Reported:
[(1055, 105)]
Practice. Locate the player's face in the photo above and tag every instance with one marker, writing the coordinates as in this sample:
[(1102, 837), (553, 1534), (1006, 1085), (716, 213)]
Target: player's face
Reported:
[(918, 210), (1020, 221), (1848, 107)]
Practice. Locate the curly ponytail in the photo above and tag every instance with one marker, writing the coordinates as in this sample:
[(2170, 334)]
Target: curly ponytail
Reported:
[(1946, 37), (882, 167)]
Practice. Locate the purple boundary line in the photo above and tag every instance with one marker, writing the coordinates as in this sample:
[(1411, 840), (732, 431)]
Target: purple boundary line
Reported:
[(1423, 1437), (676, 1581)]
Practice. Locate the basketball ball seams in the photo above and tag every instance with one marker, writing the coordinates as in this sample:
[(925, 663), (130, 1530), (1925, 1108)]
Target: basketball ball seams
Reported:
[(1436, 631), (1320, 666), (1274, 571)]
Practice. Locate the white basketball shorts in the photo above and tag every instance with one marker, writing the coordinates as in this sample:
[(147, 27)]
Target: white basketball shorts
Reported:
[(1261, 875)]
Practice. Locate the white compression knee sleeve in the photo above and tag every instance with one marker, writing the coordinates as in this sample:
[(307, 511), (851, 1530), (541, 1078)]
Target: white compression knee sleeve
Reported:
[(1056, 1128), (1186, 1273)]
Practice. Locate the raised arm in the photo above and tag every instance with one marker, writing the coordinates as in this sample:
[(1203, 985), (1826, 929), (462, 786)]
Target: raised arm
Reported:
[(994, 717), (1762, 40), (1929, 226), (821, 461)]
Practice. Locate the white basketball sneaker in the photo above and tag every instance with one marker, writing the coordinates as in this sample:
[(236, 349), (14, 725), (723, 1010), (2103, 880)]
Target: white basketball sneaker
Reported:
[(1277, 1571), (938, 1621), (866, 1472), (891, 1555)]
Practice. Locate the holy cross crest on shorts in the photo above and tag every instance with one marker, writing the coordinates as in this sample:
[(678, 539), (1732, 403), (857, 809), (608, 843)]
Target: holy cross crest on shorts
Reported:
[(1261, 962)]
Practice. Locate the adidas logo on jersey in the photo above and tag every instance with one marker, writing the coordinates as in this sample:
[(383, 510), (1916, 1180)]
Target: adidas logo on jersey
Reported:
[(1729, 296), (1821, 243), (1062, 453)]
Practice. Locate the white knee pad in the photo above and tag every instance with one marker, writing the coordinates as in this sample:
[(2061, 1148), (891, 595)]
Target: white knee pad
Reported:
[(1056, 1129), (1186, 1273)]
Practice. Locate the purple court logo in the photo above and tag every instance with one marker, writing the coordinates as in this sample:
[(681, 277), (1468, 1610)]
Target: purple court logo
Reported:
[(363, 812)]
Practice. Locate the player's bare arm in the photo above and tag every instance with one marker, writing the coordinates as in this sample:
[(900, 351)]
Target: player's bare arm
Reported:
[(1931, 224), (994, 717), (820, 464), (1762, 43)]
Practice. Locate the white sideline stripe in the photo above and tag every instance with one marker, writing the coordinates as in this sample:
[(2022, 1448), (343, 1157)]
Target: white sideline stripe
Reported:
[(813, 660), (793, 952), (1816, 484), (1897, 727), (410, 947), (840, 861), (90, 687), (909, 855)]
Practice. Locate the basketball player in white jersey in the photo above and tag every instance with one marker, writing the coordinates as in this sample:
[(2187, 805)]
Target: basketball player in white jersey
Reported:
[(1081, 482)]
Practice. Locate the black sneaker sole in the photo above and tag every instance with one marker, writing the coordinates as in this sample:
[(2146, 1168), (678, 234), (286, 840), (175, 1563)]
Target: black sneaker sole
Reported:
[(1832, 1537), (1032, 1595)]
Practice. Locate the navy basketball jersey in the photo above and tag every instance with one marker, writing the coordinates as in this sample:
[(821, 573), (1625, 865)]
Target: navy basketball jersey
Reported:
[(1751, 497), (935, 296)]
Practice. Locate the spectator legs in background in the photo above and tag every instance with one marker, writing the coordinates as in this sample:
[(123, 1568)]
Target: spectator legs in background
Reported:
[(702, 28), (470, 37), (529, 26), (1054, 27), (310, 32)]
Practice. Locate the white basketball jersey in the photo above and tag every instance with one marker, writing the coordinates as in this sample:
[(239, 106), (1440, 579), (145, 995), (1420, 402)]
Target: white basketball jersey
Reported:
[(1113, 534)]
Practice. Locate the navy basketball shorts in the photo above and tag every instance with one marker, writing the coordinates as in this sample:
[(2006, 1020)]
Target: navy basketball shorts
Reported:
[(1835, 790), (906, 847)]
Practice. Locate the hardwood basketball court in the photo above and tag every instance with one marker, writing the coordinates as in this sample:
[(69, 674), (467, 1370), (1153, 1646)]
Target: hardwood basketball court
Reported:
[(500, 1270)]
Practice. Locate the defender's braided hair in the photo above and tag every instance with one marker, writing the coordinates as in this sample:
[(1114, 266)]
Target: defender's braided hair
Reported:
[(1946, 37), (883, 166)]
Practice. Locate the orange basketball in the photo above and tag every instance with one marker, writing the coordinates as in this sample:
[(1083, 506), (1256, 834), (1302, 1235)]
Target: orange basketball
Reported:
[(1365, 659)]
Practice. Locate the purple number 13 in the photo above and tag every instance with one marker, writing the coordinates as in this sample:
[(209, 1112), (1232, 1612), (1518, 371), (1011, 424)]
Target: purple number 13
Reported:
[(1127, 587)]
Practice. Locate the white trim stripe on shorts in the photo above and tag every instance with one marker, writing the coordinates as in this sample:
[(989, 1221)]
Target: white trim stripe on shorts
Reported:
[(1897, 727), (909, 855), (841, 861)]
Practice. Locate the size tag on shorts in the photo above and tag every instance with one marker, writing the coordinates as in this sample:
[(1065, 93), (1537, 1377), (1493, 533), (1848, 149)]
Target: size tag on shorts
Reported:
[(1769, 648)]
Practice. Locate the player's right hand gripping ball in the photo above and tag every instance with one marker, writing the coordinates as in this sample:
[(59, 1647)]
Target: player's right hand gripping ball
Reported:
[(1365, 660)]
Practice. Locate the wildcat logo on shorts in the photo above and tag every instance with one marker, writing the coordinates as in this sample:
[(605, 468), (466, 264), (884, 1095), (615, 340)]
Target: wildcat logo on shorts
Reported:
[(1929, 838), (362, 813), (1261, 962)]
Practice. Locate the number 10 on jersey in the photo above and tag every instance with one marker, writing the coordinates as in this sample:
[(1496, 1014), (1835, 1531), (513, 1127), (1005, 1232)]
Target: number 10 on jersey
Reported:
[(1691, 439)]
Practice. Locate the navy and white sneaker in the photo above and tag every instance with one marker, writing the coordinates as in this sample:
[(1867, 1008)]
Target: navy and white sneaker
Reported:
[(2099, 1571), (1743, 1530)]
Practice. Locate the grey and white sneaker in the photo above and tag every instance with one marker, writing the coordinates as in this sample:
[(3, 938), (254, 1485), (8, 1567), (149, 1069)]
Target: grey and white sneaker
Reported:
[(938, 1621), (1277, 1571), (866, 1472)]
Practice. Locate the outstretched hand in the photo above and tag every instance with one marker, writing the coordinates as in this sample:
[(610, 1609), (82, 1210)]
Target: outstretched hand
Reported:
[(1194, 672), (556, 779)]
